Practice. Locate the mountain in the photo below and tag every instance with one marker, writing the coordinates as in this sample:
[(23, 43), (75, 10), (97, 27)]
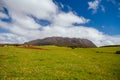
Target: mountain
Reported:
[(63, 41)]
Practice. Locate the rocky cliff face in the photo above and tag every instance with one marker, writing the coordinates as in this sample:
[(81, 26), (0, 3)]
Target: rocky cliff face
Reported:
[(61, 41)]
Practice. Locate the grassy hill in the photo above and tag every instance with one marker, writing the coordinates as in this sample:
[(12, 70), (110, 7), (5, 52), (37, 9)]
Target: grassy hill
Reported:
[(59, 63)]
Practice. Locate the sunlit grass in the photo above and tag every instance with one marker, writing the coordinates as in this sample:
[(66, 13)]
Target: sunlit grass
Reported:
[(59, 63)]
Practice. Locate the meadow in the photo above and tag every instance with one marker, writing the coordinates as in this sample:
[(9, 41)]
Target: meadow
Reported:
[(59, 63)]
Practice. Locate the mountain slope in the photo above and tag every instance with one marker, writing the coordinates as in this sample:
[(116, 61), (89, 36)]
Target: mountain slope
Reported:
[(61, 41)]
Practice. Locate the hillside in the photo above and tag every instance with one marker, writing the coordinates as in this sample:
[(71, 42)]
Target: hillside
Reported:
[(111, 46), (61, 41)]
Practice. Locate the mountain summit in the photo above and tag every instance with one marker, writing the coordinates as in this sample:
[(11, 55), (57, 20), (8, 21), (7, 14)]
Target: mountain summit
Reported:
[(63, 41)]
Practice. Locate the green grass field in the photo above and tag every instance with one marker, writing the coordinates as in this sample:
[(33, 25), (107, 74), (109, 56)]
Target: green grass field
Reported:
[(59, 63)]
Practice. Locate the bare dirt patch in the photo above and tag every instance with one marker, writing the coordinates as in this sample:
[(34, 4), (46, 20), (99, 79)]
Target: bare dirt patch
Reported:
[(32, 47)]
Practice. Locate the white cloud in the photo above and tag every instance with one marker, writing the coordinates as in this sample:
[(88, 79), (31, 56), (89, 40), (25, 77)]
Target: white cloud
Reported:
[(119, 8), (25, 22), (5, 25), (112, 1), (11, 38), (1, 8), (67, 19), (62, 6), (41, 9), (3, 15), (94, 5), (103, 27), (102, 8), (24, 28)]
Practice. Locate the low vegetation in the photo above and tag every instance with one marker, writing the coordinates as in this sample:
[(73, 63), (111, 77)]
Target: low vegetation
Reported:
[(59, 63), (117, 52)]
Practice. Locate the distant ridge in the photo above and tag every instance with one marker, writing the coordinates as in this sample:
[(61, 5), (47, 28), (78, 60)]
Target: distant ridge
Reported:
[(63, 41), (111, 46)]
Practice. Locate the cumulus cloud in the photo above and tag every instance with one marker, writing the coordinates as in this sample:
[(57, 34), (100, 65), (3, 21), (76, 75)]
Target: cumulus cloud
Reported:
[(94, 5), (3, 15), (67, 19), (41, 9), (23, 27), (11, 38)]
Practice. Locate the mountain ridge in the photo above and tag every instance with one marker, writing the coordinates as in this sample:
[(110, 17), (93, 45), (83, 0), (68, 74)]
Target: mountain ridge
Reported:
[(63, 41)]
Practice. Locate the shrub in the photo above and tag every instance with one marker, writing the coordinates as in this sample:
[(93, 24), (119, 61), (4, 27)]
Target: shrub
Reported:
[(72, 47), (117, 52)]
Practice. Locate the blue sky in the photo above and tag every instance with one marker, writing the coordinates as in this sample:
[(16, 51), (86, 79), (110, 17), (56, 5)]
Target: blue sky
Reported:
[(25, 20), (107, 21)]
